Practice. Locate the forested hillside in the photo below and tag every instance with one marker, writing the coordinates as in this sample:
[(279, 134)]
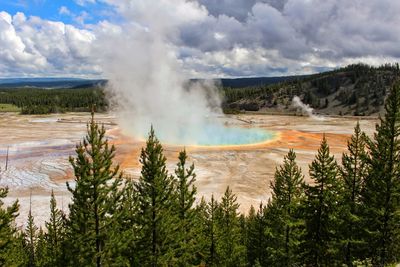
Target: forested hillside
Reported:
[(349, 215), (354, 90)]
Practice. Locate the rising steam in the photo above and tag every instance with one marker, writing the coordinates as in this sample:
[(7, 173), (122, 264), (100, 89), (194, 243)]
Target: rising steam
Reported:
[(309, 111), (146, 80)]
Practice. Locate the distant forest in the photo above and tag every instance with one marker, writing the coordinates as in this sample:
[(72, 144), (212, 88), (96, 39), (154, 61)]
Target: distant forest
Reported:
[(44, 101), (348, 215), (356, 90)]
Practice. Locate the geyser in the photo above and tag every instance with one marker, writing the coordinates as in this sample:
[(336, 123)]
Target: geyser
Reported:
[(149, 83)]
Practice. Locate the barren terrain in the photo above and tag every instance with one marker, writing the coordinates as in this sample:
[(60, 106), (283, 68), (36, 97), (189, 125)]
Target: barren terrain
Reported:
[(39, 147)]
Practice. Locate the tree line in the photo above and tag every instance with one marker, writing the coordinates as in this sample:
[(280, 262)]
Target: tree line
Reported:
[(348, 215), (44, 101)]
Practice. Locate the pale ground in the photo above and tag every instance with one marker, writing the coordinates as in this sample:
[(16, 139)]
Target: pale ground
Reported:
[(39, 147)]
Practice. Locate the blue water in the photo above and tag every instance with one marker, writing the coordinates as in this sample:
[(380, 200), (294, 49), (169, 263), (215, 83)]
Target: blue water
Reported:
[(218, 135)]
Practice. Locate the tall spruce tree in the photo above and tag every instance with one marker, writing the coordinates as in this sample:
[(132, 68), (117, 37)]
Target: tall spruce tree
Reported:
[(124, 235), (353, 172), (287, 193), (256, 237), (8, 239), (320, 244), (52, 252), (187, 215), (157, 220), (31, 232), (381, 194), (206, 212), (229, 247), (94, 197)]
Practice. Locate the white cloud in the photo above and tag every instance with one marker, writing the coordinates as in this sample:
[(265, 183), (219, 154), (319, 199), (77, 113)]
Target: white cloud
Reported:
[(265, 37), (84, 2), (35, 46), (64, 11)]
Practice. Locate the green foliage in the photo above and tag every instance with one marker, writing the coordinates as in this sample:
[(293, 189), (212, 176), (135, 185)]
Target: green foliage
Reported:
[(94, 197), (353, 172), (346, 216), (351, 87), (285, 224), (257, 242), (11, 250), (381, 194), (230, 251), (188, 231), (157, 221), (50, 243), (43, 101), (320, 241), (31, 239)]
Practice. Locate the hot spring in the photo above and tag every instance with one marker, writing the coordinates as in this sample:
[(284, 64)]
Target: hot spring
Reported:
[(221, 135)]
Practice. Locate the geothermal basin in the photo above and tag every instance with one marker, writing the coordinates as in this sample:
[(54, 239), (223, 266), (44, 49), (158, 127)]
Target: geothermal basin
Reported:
[(245, 159)]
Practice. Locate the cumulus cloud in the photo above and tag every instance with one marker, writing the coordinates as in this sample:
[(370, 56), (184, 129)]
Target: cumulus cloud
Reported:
[(230, 37), (33, 46)]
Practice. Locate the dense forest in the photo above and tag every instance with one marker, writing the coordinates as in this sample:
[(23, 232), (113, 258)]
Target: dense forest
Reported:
[(357, 89), (42, 101), (348, 215)]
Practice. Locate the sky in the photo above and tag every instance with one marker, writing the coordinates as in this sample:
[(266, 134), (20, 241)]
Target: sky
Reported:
[(209, 38)]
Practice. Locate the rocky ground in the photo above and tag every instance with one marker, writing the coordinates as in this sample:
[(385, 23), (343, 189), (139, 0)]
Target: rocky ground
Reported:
[(39, 147)]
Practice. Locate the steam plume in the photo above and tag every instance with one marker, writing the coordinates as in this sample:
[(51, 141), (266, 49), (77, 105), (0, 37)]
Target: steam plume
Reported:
[(146, 79), (309, 111)]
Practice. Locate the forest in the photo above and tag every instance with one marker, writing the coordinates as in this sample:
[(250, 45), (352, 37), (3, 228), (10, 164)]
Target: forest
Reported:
[(44, 101), (357, 89), (347, 215)]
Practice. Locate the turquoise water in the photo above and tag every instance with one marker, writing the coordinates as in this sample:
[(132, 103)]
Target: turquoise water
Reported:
[(219, 135)]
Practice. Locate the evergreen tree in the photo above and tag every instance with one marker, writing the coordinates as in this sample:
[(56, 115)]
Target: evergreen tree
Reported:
[(256, 237), (207, 215), (320, 212), (94, 198), (125, 229), (8, 239), (31, 237), (381, 199), (157, 220), (287, 193), (229, 247), (186, 196), (353, 171), (52, 251)]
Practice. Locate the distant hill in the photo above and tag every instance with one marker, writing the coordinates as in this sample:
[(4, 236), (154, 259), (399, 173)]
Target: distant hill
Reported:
[(49, 83), (354, 90), (256, 81)]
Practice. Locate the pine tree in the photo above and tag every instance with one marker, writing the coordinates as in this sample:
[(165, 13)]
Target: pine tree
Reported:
[(157, 220), (186, 196), (94, 197), (7, 231), (125, 229), (230, 250), (54, 238), (256, 237), (381, 195), (320, 246), (287, 193), (207, 216), (31, 237), (353, 172)]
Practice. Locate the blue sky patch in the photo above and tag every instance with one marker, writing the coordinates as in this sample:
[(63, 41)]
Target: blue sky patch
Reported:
[(76, 12)]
